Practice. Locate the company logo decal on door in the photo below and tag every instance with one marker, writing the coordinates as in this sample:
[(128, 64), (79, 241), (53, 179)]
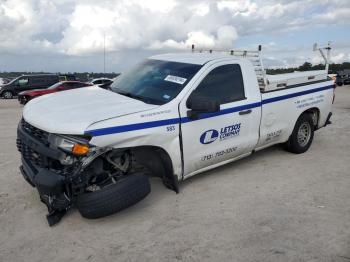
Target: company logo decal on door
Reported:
[(209, 136), (226, 132)]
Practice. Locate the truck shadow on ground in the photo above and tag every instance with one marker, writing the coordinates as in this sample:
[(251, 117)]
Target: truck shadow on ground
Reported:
[(160, 193), (230, 168)]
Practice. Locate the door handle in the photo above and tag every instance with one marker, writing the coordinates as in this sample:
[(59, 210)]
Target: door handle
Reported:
[(246, 112)]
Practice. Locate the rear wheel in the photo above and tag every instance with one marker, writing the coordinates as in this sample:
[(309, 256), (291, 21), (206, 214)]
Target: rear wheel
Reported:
[(302, 136), (114, 197), (7, 95)]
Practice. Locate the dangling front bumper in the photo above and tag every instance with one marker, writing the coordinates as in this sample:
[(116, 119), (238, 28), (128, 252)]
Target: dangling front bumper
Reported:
[(41, 169)]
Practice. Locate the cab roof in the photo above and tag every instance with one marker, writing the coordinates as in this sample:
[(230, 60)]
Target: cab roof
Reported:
[(193, 58)]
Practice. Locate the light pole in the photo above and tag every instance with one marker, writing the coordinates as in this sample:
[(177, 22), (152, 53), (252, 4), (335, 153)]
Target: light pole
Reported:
[(104, 53)]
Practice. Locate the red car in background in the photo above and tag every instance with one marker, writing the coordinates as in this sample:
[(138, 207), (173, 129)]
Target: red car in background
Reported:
[(26, 96)]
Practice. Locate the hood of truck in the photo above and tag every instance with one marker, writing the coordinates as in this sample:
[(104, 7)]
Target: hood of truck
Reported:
[(72, 112)]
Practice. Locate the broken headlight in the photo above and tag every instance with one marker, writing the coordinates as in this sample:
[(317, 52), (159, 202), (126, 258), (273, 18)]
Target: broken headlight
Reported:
[(75, 145)]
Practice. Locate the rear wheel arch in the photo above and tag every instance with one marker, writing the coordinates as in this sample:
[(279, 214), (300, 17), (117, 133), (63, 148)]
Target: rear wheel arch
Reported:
[(302, 135), (315, 114)]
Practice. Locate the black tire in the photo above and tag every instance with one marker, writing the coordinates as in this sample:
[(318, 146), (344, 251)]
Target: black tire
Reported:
[(298, 145), (115, 197), (24, 100), (7, 95)]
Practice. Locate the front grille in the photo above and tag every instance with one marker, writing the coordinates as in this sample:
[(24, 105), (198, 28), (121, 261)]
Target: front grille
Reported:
[(27, 152), (35, 132), (36, 158), (30, 155)]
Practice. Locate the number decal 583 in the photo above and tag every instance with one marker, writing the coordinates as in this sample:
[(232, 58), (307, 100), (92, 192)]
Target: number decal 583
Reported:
[(170, 128)]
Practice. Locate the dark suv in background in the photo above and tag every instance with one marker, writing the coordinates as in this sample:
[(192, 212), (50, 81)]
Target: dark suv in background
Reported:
[(29, 82), (343, 77)]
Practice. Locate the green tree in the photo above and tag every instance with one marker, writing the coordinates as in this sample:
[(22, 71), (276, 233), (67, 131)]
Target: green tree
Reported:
[(305, 67)]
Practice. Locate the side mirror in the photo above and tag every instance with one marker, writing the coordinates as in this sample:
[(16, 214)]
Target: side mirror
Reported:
[(199, 105)]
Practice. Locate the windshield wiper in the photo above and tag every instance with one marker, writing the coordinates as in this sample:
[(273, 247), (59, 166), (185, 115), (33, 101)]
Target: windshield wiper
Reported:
[(130, 95), (141, 98)]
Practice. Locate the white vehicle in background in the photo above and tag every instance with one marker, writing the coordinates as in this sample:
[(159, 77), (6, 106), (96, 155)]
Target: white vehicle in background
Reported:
[(102, 82), (172, 116)]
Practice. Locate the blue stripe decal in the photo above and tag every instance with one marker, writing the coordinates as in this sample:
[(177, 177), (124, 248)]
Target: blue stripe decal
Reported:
[(172, 121), (279, 98), (132, 127)]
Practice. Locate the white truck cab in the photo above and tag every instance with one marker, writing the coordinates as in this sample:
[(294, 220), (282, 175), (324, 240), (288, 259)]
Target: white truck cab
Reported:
[(172, 116)]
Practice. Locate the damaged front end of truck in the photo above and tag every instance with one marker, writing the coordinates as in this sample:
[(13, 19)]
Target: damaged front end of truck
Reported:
[(68, 170), (63, 167)]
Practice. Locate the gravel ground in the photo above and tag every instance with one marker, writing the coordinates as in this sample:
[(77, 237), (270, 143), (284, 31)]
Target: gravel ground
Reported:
[(272, 206)]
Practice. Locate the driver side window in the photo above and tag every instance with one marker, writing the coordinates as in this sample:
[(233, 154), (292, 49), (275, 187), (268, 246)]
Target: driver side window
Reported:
[(223, 84)]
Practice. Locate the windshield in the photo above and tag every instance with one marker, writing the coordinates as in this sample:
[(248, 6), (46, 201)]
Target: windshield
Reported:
[(55, 85), (154, 81), (13, 80)]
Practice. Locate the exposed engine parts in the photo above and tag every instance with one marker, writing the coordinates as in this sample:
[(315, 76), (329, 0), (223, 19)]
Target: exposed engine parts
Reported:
[(121, 160)]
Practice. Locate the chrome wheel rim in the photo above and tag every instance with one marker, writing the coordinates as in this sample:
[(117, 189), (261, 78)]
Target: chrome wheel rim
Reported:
[(304, 134)]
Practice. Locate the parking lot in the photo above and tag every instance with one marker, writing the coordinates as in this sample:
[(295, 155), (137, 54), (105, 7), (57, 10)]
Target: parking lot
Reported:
[(271, 206)]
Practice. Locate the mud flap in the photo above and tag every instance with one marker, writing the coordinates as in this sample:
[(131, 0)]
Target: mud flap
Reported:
[(171, 183), (328, 121)]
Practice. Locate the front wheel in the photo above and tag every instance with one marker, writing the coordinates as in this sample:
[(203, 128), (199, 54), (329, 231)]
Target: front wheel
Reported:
[(302, 136), (114, 197), (7, 95)]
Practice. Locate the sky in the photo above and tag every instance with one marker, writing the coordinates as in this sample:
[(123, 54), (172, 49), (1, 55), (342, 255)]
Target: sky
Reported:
[(70, 36)]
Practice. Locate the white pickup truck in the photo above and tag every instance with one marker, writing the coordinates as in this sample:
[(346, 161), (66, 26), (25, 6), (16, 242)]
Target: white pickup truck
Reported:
[(172, 116)]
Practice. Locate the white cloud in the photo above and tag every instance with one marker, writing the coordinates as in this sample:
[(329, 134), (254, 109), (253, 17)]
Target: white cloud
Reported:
[(163, 6), (92, 17), (201, 39), (201, 9), (269, 11), (78, 27), (338, 58), (226, 36), (223, 38), (235, 7)]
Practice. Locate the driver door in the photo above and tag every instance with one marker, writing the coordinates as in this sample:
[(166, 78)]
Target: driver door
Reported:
[(231, 132)]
